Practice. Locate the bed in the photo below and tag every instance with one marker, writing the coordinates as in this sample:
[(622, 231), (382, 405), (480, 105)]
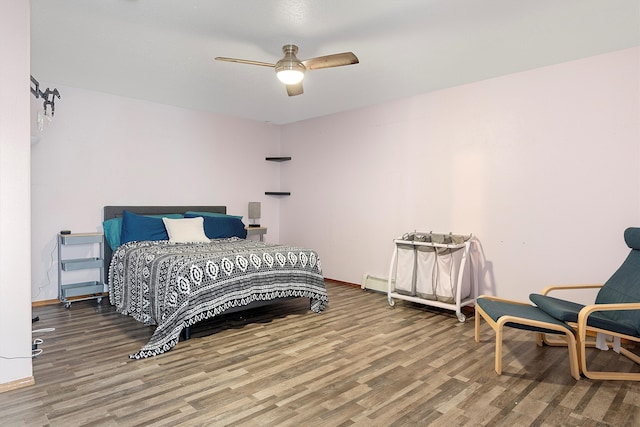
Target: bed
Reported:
[(173, 284)]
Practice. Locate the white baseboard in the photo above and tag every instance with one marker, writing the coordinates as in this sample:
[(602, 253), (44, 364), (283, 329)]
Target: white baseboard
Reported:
[(14, 385)]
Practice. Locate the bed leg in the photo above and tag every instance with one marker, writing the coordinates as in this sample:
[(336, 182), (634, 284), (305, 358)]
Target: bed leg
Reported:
[(186, 334)]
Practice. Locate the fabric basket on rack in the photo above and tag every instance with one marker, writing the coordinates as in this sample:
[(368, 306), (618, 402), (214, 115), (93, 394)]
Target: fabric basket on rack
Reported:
[(430, 271), (405, 277)]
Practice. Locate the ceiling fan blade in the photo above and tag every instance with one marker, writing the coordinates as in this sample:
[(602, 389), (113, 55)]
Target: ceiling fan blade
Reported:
[(328, 61), (244, 61), (295, 89)]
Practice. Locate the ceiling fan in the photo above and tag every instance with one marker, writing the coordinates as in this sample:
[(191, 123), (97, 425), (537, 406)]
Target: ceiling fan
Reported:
[(290, 70)]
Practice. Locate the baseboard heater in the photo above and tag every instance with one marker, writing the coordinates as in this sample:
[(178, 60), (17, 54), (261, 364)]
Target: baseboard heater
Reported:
[(373, 283)]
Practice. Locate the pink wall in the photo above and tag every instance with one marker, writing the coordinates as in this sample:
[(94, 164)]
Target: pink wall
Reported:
[(542, 166), (107, 150)]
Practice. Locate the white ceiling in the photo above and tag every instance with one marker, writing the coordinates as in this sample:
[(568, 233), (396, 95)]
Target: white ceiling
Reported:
[(163, 50)]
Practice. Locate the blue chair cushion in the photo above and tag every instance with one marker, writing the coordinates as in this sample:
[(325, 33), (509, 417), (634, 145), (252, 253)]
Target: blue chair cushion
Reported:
[(567, 311), (624, 286), (604, 320), (496, 309), (632, 237)]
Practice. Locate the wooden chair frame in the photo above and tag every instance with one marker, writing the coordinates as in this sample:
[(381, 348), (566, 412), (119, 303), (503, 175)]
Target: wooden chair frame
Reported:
[(584, 334), (570, 340)]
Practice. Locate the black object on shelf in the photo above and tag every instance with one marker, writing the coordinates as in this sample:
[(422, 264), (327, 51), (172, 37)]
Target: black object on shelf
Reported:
[(277, 159), (277, 193)]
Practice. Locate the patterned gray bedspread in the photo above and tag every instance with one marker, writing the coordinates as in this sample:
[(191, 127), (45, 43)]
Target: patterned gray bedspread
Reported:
[(176, 285)]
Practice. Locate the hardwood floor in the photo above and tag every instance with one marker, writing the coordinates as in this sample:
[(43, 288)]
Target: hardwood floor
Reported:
[(358, 363)]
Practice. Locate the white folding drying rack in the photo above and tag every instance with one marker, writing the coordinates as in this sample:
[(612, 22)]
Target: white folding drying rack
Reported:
[(416, 267)]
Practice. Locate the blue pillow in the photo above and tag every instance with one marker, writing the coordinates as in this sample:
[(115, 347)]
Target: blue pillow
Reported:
[(142, 227), (113, 229), (221, 227), (215, 214)]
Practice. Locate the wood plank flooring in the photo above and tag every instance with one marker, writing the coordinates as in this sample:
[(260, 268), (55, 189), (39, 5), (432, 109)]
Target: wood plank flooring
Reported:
[(358, 363)]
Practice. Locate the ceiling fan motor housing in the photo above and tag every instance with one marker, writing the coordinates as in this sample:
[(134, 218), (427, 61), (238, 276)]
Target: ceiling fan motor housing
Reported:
[(290, 70)]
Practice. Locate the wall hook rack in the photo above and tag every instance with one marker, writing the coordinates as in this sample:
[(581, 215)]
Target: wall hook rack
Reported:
[(48, 95)]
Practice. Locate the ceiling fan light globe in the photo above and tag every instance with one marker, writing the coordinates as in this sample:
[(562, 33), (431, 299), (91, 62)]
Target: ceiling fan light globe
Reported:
[(289, 70), (290, 77)]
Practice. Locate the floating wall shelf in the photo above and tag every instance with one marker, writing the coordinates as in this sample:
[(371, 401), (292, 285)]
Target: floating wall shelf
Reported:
[(277, 159), (277, 193)]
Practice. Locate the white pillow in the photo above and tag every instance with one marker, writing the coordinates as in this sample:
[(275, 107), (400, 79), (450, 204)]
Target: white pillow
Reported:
[(185, 230)]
